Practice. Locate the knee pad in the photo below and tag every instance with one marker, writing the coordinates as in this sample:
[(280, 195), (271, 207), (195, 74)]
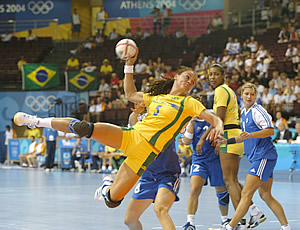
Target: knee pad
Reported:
[(82, 128), (110, 203), (223, 198)]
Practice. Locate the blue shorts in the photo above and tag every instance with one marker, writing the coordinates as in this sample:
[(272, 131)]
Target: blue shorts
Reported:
[(211, 169), (262, 168), (147, 188)]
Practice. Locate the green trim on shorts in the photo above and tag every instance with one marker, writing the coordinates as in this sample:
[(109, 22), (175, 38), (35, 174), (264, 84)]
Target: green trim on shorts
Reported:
[(126, 129), (156, 136), (147, 162), (223, 149)]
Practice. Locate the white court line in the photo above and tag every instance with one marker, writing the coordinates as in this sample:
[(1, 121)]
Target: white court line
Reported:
[(276, 221), (180, 227)]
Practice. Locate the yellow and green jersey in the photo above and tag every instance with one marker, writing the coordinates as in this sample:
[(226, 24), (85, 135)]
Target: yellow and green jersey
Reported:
[(167, 115), (224, 96)]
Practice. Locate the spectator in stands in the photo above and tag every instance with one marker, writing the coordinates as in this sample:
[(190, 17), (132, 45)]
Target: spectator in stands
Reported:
[(114, 81), (272, 89), (101, 19), (267, 100), (283, 36), (9, 134), (290, 98), (285, 81), (106, 69), (79, 153), (40, 150), (21, 62), (99, 38), (145, 85), (177, 33), (6, 37), (261, 53), (245, 50), (103, 87), (138, 34), (279, 119), (229, 45), (110, 100), (50, 139), (260, 68), (230, 63), (236, 46), (76, 23), (253, 45), (166, 16), (238, 63), (32, 132), (279, 99), (297, 86), (293, 34), (276, 79), (225, 57), (284, 135), (72, 64), (235, 83), (96, 156), (267, 61), (31, 150), (31, 36), (91, 114), (88, 44), (146, 34), (100, 107), (156, 20), (291, 54), (297, 135), (128, 33), (113, 35), (140, 67), (88, 67), (117, 160), (217, 22)]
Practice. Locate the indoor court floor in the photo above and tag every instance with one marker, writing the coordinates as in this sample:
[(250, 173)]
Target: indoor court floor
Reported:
[(33, 200)]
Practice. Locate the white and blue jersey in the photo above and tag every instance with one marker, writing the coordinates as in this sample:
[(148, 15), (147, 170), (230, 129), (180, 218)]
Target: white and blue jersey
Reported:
[(256, 119), (207, 164)]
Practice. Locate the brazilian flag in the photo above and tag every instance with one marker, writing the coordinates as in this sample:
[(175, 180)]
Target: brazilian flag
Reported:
[(40, 76), (81, 81)]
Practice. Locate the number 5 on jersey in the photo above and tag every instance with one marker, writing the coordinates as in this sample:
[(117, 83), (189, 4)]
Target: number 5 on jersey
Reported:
[(157, 110)]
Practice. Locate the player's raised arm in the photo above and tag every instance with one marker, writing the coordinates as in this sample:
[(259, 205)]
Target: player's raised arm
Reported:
[(129, 87)]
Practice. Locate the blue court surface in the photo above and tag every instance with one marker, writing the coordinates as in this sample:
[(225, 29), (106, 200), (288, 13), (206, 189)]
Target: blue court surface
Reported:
[(33, 200)]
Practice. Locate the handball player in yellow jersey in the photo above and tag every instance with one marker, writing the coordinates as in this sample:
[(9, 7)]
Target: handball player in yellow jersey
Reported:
[(169, 111)]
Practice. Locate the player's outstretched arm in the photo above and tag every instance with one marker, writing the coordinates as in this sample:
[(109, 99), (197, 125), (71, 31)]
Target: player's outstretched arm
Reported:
[(129, 87), (215, 122), (259, 134)]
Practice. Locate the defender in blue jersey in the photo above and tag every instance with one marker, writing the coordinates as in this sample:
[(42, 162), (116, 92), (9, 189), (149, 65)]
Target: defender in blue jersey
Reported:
[(257, 131), (159, 184), (205, 165)]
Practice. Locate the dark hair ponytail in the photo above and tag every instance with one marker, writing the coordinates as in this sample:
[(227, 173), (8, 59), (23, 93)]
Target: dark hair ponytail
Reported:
[(161, 87)]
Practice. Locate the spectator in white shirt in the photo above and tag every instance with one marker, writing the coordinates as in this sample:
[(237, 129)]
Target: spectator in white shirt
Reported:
[(31, 150), (146, 34), (113, 35), (236, 46), (290, 97), (6, 37), (276, 79), (297, 86), (104, 87), (279, 98), (261, 53), (140, 67), (31, 36), (76, 24), (291, 54), (267, 98), (230, 46), (88, 67)]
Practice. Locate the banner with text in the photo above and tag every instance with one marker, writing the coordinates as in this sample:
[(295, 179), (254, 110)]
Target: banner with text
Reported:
[(139, 8)]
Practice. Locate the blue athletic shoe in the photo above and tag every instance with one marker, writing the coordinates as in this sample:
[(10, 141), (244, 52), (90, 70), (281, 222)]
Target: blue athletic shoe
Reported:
[(188, 226), (225, 222)]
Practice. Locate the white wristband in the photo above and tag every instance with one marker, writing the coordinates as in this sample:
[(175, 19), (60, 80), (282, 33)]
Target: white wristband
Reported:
[(188, 135), (128, 69)]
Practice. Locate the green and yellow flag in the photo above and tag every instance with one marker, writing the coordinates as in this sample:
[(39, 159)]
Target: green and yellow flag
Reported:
[(40, 76), (81, 81)]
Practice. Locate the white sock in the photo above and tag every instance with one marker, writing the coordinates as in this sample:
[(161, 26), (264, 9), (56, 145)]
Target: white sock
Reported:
[(182, 170), (253, 210), (286, 227), (103, 167), (45, 122), (109, 167), (224, 218), (191, 219), (228, 227)]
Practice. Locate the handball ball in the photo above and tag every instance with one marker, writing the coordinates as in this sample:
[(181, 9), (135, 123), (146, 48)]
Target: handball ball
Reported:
[(125, 49)]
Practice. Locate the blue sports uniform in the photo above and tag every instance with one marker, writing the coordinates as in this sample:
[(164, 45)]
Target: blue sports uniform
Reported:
[(207, 164), (261, 152), (163, 172)]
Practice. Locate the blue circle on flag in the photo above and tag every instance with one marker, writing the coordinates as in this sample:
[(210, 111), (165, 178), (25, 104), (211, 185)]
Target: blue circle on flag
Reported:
[(82, 80), (42, 75)]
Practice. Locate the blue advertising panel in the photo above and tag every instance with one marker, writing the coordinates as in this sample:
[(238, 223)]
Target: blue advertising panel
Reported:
[(17, 147), (136, 8), (36, 10)]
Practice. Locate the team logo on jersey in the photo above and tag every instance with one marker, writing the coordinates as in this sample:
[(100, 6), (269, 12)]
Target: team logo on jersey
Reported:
[(252, 170)]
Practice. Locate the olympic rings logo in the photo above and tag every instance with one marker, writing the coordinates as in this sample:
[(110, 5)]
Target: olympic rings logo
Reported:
[(192, 4), (40, 103), (40, 7)]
